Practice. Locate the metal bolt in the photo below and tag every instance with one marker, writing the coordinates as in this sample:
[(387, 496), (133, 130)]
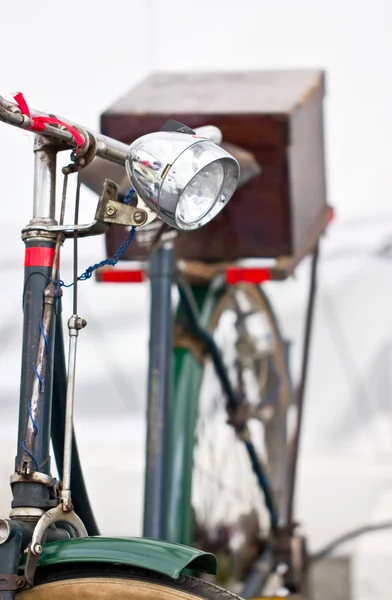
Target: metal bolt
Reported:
[(5, 530), (140, 217), (111, 211), (79, 323), (36, 549), (19, 582)]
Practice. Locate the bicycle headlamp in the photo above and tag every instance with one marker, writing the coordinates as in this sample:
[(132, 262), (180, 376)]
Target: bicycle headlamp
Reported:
[(184, 178)]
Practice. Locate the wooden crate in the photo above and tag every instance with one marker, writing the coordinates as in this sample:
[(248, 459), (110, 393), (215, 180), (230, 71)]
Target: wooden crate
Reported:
[(275, 115)]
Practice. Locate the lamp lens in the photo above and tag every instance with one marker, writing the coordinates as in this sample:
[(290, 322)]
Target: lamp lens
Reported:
[(200, 194)]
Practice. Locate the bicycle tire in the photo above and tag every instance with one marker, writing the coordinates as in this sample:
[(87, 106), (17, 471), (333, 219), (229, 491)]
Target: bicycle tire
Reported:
[(108, 582), (275, 432)]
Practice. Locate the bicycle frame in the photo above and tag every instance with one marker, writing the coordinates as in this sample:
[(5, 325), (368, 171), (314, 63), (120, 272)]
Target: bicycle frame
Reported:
[(162, 447), (172, 417), (33, 516), (169, 442)]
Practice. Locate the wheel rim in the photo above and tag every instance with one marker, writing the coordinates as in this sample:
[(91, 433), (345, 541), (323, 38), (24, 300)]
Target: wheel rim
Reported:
[(231, 519)]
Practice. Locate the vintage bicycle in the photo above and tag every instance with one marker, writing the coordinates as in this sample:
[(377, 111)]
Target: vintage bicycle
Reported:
[(220, 471)]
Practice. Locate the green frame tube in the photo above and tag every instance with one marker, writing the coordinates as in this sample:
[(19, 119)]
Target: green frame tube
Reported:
[(187, 377)]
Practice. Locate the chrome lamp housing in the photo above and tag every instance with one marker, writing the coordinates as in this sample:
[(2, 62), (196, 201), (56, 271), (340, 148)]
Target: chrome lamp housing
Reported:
[(185, 179)]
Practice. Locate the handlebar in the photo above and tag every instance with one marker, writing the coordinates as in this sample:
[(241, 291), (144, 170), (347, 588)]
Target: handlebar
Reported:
[(105, 147)]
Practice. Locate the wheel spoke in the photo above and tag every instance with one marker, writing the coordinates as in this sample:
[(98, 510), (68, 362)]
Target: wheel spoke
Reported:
[(229, 506)]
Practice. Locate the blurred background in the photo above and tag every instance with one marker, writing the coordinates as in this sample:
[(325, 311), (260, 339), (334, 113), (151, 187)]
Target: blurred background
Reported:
[(77, 58)]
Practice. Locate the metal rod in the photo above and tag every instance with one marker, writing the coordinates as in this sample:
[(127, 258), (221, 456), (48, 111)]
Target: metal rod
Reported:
[(75, 248), (106, 147), (162, 271), (69, 411), (294, 446), (44, 181), (60, 235), (75, 323), (80, 498)]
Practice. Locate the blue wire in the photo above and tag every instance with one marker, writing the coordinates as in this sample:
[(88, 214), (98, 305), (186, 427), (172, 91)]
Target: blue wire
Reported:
[(41, 383), (32, 419), (44, 336), (53, 486), (60, 283), (31, 455), (108, 261), (128, 197)]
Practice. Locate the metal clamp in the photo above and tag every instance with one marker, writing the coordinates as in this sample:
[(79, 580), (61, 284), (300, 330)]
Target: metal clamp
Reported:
[(10, 582), (33, 477), (34, 549), (109, 212)]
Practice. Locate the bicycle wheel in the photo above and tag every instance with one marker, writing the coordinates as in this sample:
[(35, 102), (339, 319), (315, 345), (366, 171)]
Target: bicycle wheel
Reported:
[(101, 582), (230, 515)]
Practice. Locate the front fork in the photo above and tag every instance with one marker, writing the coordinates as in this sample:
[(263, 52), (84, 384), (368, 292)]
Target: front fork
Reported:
[(32, 483), (35, 501)]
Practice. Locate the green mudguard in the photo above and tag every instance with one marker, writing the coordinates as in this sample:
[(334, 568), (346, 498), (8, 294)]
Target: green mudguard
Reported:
[(155, 555)]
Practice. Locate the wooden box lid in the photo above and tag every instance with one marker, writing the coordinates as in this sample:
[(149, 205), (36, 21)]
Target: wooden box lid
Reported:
[(200, 97)]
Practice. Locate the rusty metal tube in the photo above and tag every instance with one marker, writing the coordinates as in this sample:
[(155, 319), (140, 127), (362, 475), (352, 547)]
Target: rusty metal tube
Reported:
[(39, 379)]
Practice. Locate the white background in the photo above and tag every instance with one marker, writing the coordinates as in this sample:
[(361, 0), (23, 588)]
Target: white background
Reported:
[(75, 59)]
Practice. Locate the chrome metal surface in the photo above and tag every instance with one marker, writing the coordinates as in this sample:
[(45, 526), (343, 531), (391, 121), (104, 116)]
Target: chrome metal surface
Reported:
[(106, 147), (49, 298), (75, 323), (35, 477), (26, 513), (34, 550), (38, 233), (52, 516), (5, 530), (161, 165), (60, 236), (44, 181), (85, 230), (210, 132), (121, 214), (108, 212)]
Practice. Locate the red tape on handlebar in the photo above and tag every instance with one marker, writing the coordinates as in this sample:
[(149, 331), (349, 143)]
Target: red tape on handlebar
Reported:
[(38, 123)]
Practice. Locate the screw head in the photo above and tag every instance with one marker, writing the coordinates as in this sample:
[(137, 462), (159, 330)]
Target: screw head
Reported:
[(140, 217), (80, 323), (111, 211), (36, 549)]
